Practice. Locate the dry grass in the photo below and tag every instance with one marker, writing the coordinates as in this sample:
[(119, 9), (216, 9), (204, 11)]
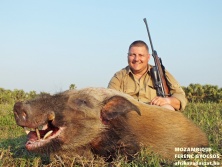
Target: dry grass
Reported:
[(13, 153)]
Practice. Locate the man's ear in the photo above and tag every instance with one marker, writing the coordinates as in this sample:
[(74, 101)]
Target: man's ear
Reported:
[(116, 106)]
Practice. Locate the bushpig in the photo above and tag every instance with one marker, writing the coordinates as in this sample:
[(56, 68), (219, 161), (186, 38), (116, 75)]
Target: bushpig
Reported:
[(103, 122)]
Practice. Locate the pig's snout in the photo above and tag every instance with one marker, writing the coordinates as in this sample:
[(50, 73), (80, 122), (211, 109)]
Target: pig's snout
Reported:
[(20, 112)]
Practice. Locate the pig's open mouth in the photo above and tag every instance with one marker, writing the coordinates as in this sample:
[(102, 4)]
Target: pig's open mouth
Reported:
[(39, 137)]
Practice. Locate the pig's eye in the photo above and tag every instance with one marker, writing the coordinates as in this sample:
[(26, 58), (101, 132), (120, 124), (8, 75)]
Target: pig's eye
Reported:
[(81, 102), (84, 102)]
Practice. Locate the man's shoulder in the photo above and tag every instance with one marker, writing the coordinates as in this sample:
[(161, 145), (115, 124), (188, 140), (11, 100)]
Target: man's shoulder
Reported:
[(116, 80), (123, 71)]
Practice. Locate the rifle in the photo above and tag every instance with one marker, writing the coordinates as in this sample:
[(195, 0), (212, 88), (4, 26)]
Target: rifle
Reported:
[(158, 71)]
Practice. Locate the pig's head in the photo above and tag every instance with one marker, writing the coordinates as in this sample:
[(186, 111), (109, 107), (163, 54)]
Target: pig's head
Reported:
[(70, 119)]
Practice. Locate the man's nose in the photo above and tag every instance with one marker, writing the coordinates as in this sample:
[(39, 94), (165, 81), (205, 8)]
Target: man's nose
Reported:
[(136, 57)]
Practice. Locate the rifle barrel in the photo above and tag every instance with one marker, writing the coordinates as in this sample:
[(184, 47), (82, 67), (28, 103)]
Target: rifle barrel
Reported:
[(151, 44)]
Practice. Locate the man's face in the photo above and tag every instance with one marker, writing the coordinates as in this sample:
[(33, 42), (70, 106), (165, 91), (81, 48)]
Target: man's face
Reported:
[(138, 58)]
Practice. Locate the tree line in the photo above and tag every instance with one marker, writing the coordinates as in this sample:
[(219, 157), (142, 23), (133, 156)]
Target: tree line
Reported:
[(203, 93), (12, 96), (194, 93)]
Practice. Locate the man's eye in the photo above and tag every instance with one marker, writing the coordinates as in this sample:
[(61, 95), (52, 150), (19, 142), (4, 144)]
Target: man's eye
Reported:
[(131, 54)]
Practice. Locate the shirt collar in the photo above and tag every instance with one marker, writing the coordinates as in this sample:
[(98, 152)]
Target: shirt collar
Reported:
[(130, 71)]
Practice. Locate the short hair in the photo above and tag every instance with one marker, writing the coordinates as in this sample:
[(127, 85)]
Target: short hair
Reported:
[(139, 43)]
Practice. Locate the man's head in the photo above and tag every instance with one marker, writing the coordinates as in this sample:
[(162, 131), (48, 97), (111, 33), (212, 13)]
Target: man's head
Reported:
[(138, 57)]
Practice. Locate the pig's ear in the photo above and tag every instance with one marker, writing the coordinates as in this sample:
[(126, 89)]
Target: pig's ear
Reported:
[(115, 106)]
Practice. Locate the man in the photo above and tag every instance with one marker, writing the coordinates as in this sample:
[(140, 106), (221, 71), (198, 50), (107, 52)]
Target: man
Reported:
[(135, 80)]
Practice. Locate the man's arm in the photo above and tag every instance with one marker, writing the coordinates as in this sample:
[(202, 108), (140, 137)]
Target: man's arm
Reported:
[(178, 98), (114, 83), (164, 101)]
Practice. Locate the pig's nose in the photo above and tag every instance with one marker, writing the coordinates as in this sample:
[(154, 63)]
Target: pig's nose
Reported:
[(19, 111), (18, 107)]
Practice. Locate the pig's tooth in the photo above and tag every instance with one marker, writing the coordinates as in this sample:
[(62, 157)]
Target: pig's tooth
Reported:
[(51, 116), (27, 130), (44, 127), (47, 134), (38, 134)]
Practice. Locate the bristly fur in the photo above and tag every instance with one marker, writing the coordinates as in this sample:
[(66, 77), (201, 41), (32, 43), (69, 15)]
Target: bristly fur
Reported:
[(105, 122)]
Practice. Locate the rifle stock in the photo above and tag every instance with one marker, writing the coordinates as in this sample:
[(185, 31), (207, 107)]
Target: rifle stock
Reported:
[(158, 71)]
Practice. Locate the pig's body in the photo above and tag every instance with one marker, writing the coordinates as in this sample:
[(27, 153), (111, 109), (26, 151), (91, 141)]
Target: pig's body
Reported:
[(104, 122)]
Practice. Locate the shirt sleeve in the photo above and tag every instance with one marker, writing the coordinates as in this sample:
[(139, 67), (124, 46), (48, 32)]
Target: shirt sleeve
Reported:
[(115, 82), (176, 90)]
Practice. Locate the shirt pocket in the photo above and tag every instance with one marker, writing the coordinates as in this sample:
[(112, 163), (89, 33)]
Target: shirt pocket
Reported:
[(130, 90), (150, 92)]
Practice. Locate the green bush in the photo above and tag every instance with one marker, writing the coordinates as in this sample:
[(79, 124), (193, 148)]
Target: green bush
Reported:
[(194, 93), (203, 93), (10, 97)]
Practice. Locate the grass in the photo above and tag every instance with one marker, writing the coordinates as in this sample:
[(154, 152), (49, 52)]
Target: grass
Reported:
[(208, 116)]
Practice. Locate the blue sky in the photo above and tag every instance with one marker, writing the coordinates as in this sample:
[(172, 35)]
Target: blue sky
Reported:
[(46, 45)]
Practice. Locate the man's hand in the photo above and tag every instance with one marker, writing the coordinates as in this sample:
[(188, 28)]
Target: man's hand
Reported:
[(167, 102), (160, 101)]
